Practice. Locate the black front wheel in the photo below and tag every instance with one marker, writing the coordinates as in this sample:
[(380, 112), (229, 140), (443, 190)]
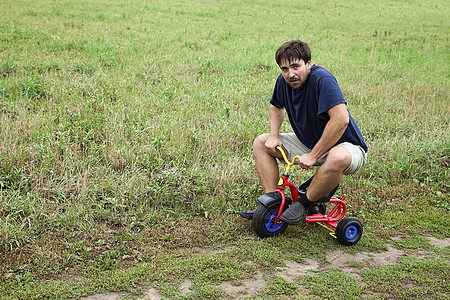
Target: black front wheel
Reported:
[(348, 231), (264, 221)]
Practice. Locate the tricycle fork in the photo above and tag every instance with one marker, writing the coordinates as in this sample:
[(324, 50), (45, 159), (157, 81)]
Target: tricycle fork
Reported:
[(281, 186), (283, 202)]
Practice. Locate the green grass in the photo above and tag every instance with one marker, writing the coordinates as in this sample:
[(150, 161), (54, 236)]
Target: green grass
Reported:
[(406, 280), (126, 135)]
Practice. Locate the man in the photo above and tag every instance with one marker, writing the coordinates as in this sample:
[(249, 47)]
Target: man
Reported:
[(325, 134)]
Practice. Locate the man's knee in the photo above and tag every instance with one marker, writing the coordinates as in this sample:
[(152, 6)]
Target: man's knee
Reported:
[(338, 159), (259, 142)]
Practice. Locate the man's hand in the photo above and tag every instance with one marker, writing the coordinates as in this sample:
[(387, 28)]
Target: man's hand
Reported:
[(307, 161), (272, 143)]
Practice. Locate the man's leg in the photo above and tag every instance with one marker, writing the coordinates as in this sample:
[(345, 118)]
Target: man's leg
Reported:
[(329, 175), (266, 164), (267, 168)]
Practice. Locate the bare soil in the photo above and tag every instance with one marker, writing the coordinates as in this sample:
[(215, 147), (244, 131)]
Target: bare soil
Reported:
[(251, 286)]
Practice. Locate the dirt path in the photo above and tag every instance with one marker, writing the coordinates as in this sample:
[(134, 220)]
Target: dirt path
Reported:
[(251, 286)]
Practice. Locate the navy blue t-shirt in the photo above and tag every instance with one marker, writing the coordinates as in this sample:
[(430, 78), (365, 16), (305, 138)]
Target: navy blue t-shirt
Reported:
[(307, 107)]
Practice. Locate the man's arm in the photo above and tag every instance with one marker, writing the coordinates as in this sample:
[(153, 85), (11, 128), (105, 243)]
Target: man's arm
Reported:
[(276, 117), (333, 131)]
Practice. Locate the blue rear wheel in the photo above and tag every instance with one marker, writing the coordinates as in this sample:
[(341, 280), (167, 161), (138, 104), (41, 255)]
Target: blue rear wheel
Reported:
[(348, 231), (351, 232)]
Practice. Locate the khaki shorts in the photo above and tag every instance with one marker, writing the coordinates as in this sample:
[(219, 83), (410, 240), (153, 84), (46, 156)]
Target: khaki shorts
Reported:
[(296, 148)]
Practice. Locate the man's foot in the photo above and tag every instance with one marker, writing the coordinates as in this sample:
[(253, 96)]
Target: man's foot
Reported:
[(295, 214), (247, 214)]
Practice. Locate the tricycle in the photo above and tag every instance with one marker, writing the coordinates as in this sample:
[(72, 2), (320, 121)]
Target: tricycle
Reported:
[(266, 222)]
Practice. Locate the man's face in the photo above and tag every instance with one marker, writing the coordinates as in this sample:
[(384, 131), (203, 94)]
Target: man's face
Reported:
[(295, 72)]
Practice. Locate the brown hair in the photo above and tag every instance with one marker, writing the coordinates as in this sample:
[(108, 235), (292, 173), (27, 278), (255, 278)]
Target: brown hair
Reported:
[(291, 50)]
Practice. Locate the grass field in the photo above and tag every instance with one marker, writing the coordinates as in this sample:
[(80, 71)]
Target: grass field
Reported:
[(126, 136)]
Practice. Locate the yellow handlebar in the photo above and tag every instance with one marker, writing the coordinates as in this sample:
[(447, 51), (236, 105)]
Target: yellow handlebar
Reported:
[(286, 159)]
